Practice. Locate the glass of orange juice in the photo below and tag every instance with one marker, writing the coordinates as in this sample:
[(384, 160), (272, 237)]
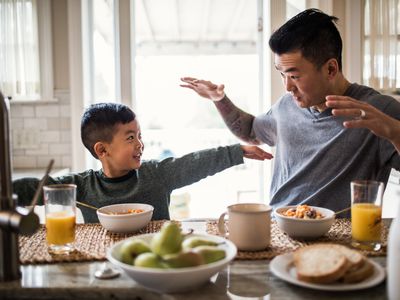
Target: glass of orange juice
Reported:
[(60, 207), (366, 214)]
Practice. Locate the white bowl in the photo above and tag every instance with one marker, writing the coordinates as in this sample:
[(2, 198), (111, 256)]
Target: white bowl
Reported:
[(304, 228), (173, 280), (125, 223)]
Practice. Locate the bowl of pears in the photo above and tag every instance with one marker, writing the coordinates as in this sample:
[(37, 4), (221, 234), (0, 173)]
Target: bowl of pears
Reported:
[(169, 261)]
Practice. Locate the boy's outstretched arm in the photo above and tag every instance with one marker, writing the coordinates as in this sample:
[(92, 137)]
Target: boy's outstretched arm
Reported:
[(239, 122), (177, 172)]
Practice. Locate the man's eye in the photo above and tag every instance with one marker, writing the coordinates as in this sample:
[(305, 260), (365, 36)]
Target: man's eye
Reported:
[(294, 77), (131, 137)]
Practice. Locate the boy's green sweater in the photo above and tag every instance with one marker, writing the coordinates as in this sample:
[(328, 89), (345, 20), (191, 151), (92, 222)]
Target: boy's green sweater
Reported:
[(152, 183)]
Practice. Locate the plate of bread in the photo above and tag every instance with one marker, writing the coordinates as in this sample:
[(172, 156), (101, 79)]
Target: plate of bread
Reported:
[(329, 267)]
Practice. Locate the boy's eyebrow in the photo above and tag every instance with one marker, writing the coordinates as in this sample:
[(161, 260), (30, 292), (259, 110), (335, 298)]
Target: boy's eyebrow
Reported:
[(130, 131)]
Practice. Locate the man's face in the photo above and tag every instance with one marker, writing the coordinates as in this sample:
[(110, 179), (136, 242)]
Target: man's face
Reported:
[(302, 79)]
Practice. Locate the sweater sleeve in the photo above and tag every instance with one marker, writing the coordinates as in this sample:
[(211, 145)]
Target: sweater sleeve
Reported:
[(25, 188), (188, 169)]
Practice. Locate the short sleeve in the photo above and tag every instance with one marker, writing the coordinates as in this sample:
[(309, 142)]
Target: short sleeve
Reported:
[(264, 127)]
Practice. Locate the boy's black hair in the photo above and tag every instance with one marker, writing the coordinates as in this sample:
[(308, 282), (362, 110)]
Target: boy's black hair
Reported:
[(99, 120), (312, 32)]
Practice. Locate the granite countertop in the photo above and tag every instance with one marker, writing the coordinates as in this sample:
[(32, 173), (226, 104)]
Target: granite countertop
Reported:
[(243, 279)]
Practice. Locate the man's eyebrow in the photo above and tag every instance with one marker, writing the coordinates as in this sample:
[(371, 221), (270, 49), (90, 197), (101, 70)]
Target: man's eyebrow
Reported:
[(292, 69)]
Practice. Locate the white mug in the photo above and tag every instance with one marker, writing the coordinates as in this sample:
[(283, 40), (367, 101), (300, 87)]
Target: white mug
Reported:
[(249, 226)]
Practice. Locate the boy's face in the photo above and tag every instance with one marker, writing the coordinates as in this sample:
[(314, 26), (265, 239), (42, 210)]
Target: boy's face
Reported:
[(125, 150), (302, 79)]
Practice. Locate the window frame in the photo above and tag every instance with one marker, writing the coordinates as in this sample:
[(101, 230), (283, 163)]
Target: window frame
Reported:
[(45, 40)]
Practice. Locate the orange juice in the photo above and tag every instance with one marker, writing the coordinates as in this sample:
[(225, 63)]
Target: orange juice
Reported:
[(366, 222), (60, 227)]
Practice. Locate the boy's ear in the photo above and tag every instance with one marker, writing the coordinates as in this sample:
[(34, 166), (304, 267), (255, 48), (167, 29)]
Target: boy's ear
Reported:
[(100, 149)]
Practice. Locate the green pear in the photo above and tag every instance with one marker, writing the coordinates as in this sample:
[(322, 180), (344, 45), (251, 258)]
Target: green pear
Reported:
[(131, 249), (192, 242), (183, 260), (168, 240), (209, 253), (149, 260)]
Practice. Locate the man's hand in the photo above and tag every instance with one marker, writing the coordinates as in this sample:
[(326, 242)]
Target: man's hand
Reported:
[(365, 115), (204, 88), (254, 152)]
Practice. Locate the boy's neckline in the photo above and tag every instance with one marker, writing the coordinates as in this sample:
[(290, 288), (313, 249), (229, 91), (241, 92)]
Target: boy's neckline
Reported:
[(130, 174)]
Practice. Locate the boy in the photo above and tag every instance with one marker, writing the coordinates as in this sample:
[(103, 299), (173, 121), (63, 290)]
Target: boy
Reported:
[(111, 133)]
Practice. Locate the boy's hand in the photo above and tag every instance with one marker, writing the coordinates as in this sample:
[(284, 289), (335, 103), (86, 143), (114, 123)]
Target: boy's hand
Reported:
[(254, 152), (204, 88)]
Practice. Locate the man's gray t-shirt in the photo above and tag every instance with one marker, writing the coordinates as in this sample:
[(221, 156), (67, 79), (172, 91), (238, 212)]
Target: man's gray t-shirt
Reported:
[(316, 157)]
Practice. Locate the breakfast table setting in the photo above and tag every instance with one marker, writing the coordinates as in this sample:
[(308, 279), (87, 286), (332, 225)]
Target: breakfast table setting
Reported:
[(250, 252), (246, 275)]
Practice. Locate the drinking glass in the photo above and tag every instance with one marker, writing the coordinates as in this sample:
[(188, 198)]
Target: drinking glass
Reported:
[(366, 214), (60, 213)]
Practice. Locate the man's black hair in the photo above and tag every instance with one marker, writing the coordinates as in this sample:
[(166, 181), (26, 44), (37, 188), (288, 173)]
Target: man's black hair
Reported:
[(312, 32), (99, 121)]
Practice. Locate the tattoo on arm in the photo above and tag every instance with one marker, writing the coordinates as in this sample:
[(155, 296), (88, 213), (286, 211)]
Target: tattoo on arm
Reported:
[(238, 121)]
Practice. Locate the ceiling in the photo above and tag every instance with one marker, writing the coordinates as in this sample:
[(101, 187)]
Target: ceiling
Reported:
[(177, 26)]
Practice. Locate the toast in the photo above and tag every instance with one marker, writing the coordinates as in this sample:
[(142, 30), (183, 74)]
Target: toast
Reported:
[(356, 258), (358, 274), (320, 263), (327, 263)]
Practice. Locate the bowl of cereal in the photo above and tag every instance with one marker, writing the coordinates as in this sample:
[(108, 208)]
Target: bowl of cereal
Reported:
[(304, 221), (125, 217)]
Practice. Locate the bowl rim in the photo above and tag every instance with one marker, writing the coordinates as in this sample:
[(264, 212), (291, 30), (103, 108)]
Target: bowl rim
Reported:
[(279, 215), (156, 271), (150, 209)]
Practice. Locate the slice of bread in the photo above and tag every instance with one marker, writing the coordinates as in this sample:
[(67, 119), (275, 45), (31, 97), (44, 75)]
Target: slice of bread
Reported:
[(359, 274), (355, 258), (321, 263)]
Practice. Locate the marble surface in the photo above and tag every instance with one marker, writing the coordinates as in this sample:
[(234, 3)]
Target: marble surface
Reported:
[(240, 280)]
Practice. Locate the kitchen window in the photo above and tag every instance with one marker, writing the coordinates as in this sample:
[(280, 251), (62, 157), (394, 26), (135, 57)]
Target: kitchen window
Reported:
[(223, 41), (25, 74), (381, 68)]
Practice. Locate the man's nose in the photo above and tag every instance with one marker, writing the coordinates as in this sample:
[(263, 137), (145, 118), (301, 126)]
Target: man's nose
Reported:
[(289, 86)]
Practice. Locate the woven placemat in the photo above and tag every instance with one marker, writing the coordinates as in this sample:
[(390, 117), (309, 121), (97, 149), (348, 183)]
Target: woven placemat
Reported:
[(91, 243), (340, 233)]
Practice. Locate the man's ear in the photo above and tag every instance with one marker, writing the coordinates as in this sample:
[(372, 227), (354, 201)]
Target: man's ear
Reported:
[(332, 67), (100, 149)]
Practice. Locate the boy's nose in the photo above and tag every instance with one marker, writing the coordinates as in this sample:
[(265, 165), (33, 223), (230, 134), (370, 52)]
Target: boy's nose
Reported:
[(139, 144)]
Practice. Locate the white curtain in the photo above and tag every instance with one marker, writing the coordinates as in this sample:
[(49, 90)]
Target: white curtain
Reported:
[(381, 44), (19, 53)]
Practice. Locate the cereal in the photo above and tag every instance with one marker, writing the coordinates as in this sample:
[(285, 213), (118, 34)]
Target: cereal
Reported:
[(303, 212)]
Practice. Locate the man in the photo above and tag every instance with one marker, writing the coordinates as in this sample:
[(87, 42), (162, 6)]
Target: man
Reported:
[(316, 156)]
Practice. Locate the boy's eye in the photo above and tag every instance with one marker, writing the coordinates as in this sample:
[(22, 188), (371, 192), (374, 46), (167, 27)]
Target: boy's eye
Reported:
[(131, 137)]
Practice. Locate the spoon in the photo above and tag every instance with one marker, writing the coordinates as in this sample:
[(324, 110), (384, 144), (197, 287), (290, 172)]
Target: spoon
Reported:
[(343, 210), (40, 186), (91, 206), (106, 272)]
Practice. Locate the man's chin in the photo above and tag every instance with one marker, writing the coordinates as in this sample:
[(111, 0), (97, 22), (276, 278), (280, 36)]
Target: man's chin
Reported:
[(302, 104)]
